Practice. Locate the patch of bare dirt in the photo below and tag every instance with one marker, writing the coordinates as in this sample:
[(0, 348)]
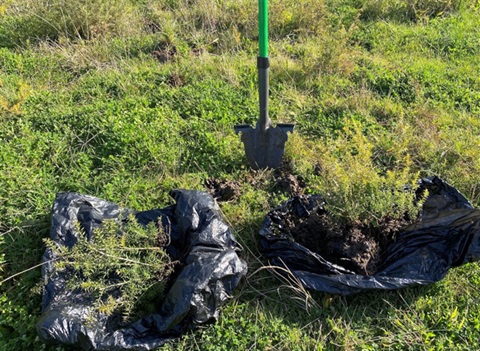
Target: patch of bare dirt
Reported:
[(318, 169), (175, 80), (288, 182), (165, 54), (222, 190), (198, 51)]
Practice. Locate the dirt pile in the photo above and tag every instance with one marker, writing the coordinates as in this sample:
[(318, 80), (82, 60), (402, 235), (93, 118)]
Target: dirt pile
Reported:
[(222, 190), (287, 181), (357, 246)]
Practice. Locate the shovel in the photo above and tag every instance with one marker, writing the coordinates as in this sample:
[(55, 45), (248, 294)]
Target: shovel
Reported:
[(264, 145)]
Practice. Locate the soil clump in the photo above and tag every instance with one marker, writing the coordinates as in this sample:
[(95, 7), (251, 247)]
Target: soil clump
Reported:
[(222, 190), (165, 54), (288, 182), (357, 246)]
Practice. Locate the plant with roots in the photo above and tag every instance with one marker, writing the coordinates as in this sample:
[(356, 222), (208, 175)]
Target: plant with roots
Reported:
[(124, 267)]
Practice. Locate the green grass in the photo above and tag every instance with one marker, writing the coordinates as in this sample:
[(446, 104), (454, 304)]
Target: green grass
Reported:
[(126, 100)]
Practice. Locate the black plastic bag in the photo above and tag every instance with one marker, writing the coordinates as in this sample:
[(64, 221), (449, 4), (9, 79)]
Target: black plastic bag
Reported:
[(200, 239), (446, 235)]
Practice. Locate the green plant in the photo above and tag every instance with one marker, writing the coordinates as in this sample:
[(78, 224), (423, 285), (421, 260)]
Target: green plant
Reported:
[(122, 263), (360, 178)]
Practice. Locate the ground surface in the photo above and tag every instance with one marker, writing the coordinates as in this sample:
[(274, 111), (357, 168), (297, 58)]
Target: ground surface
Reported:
[(127, 100)]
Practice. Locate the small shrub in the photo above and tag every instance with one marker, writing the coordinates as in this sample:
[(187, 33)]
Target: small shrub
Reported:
[(123, 262), (348, 173), (13, 93), (359, 190)]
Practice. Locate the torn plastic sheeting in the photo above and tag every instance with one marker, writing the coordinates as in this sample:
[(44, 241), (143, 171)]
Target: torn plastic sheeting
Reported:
[(446, 235), (200, 240)]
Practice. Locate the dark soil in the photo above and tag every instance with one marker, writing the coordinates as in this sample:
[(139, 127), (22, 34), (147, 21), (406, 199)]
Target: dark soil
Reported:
[(356, 246), (165, 54), (175, 80), (288, 182), (198, 51), (222, 190)]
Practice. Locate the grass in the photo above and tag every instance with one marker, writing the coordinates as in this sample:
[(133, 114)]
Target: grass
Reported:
[(126, 100)]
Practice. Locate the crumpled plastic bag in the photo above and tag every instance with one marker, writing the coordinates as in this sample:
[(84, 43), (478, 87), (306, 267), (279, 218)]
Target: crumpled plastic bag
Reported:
[(446, 235), (200, 240)]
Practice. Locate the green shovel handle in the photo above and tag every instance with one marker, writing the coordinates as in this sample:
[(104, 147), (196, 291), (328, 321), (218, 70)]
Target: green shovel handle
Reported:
[(263, 28)]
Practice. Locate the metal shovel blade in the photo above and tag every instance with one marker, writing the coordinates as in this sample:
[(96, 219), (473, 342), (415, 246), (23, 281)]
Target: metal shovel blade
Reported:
[(264, 147)]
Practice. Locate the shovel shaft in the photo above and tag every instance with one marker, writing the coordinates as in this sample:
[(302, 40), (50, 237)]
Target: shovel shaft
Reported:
[(263, 87)]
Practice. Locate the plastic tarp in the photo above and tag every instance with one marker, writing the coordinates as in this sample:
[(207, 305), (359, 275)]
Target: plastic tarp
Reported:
[(211, 269), (446, 235)]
